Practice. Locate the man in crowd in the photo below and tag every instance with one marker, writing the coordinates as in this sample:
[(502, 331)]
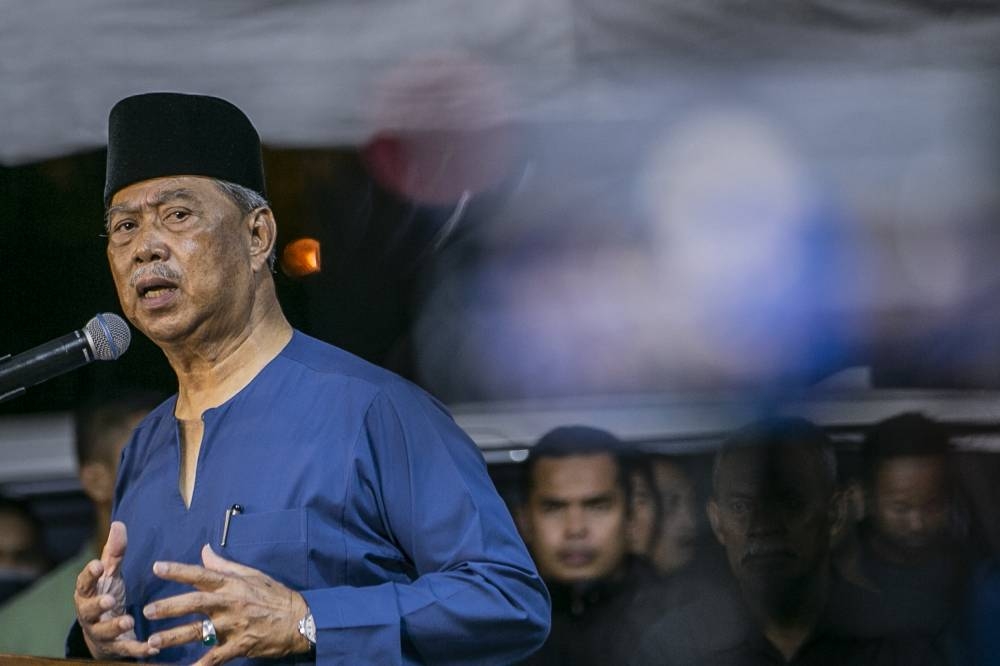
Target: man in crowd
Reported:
[(846, 540), (773, 508), (291, 500), (909, 549), (22, 547), (37, 620), (575, 519), (665, 528)]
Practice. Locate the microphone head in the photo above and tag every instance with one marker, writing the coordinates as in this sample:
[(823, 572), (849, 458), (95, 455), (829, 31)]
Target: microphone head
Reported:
[(109, 336)]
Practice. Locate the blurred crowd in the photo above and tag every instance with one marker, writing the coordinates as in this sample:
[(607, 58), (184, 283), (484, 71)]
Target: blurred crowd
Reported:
[(785, 546)]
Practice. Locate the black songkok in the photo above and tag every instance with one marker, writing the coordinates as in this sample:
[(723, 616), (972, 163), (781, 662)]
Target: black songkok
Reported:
[(171, 134)]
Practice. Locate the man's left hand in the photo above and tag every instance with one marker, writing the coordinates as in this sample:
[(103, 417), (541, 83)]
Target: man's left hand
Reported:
[(254, 615)]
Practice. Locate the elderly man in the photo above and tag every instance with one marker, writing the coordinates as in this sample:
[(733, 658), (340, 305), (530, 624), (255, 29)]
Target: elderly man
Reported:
[(291, 501), (773, 508)]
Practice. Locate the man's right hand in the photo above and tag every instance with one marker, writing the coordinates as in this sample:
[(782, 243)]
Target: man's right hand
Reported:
[(100, 603)]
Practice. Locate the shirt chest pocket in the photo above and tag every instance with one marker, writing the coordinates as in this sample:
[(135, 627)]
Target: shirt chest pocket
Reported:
[(273, 542)]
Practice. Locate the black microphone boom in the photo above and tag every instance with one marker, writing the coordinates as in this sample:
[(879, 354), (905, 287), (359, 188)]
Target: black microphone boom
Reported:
[(104, 338)]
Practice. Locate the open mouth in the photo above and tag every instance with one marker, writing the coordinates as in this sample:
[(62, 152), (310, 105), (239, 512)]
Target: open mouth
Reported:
[(156, 292), (153, 289)]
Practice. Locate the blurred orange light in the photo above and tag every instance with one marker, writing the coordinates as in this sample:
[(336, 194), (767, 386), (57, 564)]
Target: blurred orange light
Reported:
[(301, 257)]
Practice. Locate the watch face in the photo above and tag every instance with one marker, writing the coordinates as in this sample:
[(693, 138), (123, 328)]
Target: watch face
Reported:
[(307, 627)]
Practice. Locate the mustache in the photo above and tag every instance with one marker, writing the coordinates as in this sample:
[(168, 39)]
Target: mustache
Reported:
[(764, 548), (154, 270)]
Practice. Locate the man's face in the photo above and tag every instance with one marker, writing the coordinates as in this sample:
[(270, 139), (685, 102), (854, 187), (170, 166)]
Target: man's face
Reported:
[(911, 503), (675, 546), (180, 258), (576, 518), (772, 511), (98, 474), (19, 551)]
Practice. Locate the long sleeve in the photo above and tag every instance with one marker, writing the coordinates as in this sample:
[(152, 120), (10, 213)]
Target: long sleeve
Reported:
[(475, 596), (359, 491)]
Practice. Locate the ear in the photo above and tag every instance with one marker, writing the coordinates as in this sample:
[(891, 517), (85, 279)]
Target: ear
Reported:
[(715, 520), (838, 514), (263, 235), (98, 482)]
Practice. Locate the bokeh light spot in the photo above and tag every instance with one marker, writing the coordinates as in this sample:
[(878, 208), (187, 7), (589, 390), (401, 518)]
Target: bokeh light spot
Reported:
[(301, 258)]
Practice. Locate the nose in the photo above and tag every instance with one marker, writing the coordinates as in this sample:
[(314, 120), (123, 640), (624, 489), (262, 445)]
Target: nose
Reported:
[(765, 519), (915, 521), (576, 523), (149, 244)]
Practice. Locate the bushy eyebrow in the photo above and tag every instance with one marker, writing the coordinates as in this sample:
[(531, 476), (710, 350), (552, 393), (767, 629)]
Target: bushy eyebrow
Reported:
[(178, 194)]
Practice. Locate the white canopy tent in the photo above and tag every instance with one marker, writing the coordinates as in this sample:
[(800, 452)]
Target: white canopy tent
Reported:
[(330, 73)]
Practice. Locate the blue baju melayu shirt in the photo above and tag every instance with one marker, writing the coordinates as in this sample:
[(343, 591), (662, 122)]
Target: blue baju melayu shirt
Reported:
[(358, 490)]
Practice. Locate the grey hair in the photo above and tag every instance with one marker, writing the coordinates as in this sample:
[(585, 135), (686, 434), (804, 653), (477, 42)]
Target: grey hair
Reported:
[(247, 201)]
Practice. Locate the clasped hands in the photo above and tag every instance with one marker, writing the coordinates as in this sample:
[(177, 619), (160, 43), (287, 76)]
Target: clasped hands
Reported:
[(253, 615)]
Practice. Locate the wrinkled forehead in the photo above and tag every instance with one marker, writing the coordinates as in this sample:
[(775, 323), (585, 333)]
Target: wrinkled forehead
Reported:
[(776, 471), (157, 191)]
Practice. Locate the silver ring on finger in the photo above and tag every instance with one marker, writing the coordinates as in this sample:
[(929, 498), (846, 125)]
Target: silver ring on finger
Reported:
[(209, 637)]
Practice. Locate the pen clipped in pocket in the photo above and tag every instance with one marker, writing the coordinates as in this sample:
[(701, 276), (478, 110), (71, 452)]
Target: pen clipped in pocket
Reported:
[(272, 541)]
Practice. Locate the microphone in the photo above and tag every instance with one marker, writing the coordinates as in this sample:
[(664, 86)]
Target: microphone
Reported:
[(104, 338)]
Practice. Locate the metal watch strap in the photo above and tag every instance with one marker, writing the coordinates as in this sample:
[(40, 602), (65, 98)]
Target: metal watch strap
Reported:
[(307, 627)]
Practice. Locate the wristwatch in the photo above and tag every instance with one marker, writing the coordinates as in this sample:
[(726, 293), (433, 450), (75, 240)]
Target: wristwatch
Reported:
[(307, 627)]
